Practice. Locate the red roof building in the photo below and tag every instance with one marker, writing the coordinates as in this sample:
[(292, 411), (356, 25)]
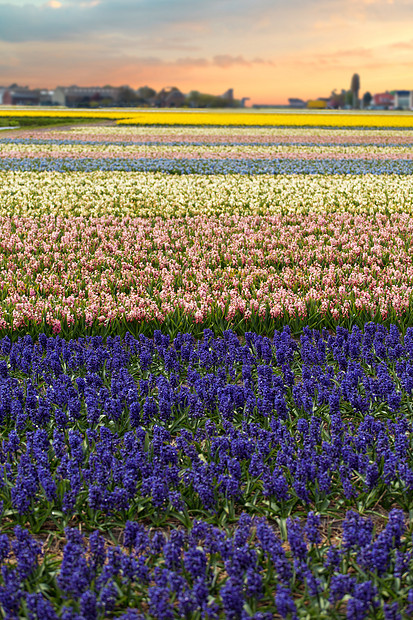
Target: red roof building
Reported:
[(383, 99)]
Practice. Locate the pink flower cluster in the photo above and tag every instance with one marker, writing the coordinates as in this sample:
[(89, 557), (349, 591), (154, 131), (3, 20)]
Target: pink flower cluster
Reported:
[(228, 267), (253, 153), (218, 136)]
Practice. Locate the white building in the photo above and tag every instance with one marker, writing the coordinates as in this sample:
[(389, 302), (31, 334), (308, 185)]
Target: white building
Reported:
[(403, 99), (76, 95)]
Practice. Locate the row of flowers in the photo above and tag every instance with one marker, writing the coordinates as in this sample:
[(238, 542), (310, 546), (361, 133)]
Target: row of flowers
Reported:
[(53, 149), (189, 273), (226, 118), (135, 431), (215, 135), (283, 119), (203, 165), (205, 572), (149, 427), (123, 194)]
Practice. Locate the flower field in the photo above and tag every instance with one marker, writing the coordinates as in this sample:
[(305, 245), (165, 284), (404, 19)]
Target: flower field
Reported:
[(225, 118), (206, 369)]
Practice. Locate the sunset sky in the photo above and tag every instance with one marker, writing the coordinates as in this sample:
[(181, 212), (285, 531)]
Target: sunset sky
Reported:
[(267, 50)]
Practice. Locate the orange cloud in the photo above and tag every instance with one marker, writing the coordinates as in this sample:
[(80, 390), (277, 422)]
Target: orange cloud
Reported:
[(402, 45)]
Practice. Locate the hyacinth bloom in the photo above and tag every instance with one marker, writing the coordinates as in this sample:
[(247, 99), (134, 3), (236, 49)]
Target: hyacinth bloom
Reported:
[(192, 135), (257, 272), (122, 194), (160, 425), (83, 149), (244, 573), (171, 165)]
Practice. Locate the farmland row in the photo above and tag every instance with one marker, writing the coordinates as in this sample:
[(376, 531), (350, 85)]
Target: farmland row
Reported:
[(231, 442)]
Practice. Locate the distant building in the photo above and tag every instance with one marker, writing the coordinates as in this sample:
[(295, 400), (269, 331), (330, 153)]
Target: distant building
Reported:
[(21, 96), (169, 97), (2, 91), (296, 103), (383, 100), (78, 96), (403, 99), (46, 97)]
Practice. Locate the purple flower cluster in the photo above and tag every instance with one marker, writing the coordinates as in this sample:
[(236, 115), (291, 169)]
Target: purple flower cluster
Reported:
[(161, 425), (207, 572), (134, 429)]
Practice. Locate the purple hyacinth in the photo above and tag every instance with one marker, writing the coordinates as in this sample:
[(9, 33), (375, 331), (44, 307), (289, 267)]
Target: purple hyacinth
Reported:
[(284, 603), (232, 599), (27, 552)]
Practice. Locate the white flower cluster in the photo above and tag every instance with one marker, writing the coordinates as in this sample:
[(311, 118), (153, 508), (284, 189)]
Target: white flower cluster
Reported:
[(147, 195)]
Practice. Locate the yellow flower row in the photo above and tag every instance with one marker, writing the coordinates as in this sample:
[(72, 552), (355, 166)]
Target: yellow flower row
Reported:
[(226, 118), (65, 113), (332, 119)]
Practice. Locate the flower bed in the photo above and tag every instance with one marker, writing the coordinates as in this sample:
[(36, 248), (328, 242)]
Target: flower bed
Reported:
[(123, 194), (206, 379), (109, 275), (213, 436)]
